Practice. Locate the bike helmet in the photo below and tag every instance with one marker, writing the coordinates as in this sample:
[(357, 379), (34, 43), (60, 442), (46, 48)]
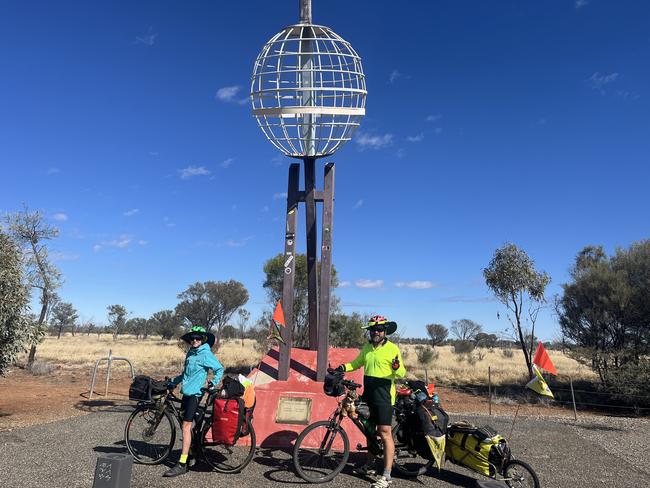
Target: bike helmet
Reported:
[(380, 321)]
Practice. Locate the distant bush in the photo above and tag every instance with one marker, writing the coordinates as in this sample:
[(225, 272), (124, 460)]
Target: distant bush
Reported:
[(41, 368), (463, 347), (507, 353)]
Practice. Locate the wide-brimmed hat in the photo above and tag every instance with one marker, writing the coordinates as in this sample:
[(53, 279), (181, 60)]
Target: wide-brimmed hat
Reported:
[(390, 326), (208, 337)]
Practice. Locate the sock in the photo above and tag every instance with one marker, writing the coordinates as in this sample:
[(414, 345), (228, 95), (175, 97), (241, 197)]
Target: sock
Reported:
[(387, 474), (183, 459)]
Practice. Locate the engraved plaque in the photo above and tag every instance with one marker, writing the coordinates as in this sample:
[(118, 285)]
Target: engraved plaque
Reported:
[(293, 410)]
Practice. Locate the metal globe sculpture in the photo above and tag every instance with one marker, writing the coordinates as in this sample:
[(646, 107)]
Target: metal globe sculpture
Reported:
[(308, 91)]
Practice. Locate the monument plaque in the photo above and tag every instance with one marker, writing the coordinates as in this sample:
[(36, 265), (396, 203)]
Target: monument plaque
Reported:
[(293, 410)]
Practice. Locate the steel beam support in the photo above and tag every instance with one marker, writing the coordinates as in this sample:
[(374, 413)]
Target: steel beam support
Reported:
[(289, 271), (325, 272), (312, 244)]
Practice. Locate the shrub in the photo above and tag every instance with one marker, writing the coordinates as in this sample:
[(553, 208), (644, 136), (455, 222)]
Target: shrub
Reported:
[(41, 368), (507, 353), (463, 347), (425, 355)]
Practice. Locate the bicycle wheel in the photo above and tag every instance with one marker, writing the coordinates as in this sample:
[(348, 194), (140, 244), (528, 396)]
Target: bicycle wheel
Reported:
[(321, 451), (229, 459), (410, 463), (150, 434), (520, 475)]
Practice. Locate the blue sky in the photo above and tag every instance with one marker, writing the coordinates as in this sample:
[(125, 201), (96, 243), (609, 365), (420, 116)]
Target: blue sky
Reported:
[(487, 122)]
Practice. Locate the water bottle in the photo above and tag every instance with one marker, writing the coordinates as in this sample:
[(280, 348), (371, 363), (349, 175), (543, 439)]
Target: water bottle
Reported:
[(435, 399)]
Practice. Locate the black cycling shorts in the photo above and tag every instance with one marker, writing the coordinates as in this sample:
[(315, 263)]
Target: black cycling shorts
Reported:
[(381, 413), (189, 405), (376, 393)]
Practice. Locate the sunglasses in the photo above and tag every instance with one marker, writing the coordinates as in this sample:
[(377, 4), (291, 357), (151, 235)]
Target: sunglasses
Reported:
[(375, 329), (196, 338)]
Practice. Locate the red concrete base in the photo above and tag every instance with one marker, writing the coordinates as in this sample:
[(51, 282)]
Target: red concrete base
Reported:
[(301, 384)]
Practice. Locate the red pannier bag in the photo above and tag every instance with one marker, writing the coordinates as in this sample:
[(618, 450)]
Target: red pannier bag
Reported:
[(227, 421)]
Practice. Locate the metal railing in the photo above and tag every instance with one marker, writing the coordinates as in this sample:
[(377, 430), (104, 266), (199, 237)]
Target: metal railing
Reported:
[(109, 361)]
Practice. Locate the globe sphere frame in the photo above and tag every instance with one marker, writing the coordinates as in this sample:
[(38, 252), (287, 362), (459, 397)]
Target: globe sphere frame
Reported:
[(308, 91)]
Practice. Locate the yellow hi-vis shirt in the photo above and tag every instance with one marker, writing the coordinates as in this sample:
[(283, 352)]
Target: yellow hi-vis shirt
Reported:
[(377, 362)]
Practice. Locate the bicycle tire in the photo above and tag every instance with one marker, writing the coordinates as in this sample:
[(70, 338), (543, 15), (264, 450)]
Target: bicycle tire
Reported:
[(144, 450), (406, 461), (519, 474), (302, 456), (229, 459)]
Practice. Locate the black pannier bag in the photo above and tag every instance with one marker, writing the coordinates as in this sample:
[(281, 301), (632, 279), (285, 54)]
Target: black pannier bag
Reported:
[(427, 420), (145, 388), (332, 385), (232, 387)]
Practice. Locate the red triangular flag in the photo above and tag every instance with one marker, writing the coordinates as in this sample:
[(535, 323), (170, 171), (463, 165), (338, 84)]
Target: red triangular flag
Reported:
[(543, 360), (278, 315)]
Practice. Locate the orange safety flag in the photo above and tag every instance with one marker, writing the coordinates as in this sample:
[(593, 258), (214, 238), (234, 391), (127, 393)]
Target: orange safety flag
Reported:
[(278, 314), (542, 359)]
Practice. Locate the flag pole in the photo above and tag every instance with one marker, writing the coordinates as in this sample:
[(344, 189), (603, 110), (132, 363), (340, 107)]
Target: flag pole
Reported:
[(513, 422), (573, 397)]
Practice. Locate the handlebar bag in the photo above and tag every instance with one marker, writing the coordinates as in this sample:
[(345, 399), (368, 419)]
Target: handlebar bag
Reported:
[(227, 421), (144, 388), (332, 385)]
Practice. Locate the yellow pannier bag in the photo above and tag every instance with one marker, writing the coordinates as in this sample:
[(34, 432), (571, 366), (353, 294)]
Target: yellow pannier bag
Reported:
[(480, 449)]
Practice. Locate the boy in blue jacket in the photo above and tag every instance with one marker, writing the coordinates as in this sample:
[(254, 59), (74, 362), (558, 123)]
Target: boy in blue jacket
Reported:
[(197, 362)]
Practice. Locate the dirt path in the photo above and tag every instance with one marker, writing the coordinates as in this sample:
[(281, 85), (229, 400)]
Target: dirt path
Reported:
[(27, 400)]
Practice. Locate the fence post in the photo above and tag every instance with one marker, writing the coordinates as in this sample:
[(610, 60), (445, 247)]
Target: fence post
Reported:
[(573, 397), (490, 390), (426, 376)]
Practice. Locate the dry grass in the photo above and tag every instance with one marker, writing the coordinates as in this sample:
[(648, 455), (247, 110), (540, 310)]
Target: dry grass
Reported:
[(154, 354), (455, 369)]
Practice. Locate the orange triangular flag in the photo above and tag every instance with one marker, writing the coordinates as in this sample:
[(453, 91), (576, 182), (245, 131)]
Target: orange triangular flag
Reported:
[(543, 360), (278, 315)]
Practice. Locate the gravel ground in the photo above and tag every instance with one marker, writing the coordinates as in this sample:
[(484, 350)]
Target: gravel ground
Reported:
[(597, 451)]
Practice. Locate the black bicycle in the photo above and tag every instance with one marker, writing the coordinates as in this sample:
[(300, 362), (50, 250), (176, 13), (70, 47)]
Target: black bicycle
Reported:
[(150, 432), (322, 449)]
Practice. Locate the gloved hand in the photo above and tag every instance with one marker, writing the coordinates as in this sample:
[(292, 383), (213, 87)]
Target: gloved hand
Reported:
[(170, 385), (395, 364)]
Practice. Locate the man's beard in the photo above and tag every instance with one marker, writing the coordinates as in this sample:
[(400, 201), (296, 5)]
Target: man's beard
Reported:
[(376, 339)]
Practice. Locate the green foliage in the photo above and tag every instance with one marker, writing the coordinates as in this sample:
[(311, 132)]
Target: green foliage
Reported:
[(463, 347), (437, 333), (425, 354), (166, 323), (274, 277), (14, 298), (512, 277), (346, 331), (605, 313), (117, 319), (139, 327), (486, 340), (228, 332), (211, 304), (63, 315)]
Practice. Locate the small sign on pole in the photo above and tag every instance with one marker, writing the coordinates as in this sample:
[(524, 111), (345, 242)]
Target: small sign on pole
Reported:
[(113, 471)]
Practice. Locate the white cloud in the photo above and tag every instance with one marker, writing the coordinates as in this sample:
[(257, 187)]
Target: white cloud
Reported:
[(131, 213), (433, 117), (345, 284), (229, 94), (418, 284), (238, 242), (53, 171), (147, 39), (226, 163), (466, 299), (359, 203), (142, 242), (394, 75), (60, 217), (168, 222), (582, 3), (369, 283), (280, 196), (417, 138), (191, 171), (62, 256), (121, 242), (599, 81), (367, 141)]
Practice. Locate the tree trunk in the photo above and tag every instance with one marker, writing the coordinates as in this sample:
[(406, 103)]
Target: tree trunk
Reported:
[(59, 335), (32, 355)]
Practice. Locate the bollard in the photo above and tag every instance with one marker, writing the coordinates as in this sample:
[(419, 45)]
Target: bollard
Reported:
[(113, 471)]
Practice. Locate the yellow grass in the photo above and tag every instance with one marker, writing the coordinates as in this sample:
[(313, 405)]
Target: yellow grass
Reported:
[(453, 369), (155, 355)]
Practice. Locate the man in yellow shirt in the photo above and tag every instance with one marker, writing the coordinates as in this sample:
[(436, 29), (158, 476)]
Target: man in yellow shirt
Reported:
[(382, 364)]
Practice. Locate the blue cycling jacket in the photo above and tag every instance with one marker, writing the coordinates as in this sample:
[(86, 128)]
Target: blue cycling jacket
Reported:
[(197, 363)]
